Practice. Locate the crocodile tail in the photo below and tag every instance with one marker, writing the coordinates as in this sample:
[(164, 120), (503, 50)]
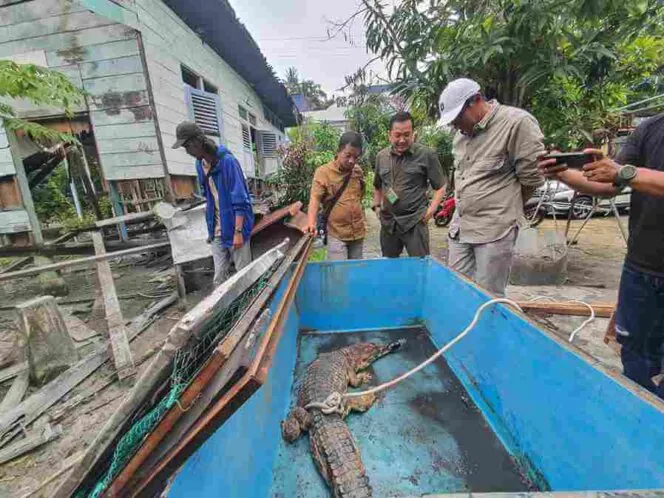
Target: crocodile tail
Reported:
[(338, 458)]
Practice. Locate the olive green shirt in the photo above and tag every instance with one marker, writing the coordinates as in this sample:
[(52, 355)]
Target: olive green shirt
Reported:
[(491, 167), (409, 175)]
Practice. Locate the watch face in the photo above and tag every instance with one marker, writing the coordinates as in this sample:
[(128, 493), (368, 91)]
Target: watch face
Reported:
[(627, 173)]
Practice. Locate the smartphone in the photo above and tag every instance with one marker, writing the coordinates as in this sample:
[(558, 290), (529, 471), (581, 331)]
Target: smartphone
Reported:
[(573, 160)]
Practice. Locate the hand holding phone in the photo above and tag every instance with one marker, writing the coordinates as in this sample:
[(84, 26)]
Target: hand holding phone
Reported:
[(573, 160)]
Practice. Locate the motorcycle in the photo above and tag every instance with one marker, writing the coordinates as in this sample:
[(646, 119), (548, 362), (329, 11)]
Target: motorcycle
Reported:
[(445, 211)]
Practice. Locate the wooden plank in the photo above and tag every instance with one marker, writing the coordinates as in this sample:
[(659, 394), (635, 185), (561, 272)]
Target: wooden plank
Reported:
[(16, 391), (13, 371), (31, 11), (128, 115), (70, 45), (127, 218), (24, 188), (124, 362), (52, 25), (31, 408), (18, 264), (97, 52), (124, 145), (129, 173), (72, 73), (112, 67), (602, 310), (68, 463), (78, 329), (119, 84), (82, 261), (33, 441), (129, 130), (123, 160), (10, 197)]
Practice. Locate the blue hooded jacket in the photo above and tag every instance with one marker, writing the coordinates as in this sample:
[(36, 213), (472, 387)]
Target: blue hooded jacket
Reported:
[(233, 196)]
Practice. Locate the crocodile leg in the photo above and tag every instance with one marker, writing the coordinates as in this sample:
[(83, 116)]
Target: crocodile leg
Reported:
[(360, 404), (298, 420), (356, 379)]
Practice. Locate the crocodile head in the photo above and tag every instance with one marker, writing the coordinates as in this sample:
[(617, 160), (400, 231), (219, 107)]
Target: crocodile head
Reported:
[(364, 354)]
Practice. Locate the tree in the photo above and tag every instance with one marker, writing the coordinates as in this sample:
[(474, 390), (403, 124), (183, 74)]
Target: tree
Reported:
[(519, 50), (313, 92), (41, 86)]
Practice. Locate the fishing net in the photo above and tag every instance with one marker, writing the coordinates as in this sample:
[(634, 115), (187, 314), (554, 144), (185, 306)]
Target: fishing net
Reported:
[(186, 364)]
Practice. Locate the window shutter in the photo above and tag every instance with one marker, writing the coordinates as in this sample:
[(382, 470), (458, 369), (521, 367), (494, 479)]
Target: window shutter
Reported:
[(268, 143), (205, 110), (246, 137)]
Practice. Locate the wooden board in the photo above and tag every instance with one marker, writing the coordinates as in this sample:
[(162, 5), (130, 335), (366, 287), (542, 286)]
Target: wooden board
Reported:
[(602, 310), (124, 363), (10, 196), (34, 440), (16, 391)]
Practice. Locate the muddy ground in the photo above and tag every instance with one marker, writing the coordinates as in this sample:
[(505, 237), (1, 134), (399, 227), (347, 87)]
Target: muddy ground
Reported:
[(594, 265)]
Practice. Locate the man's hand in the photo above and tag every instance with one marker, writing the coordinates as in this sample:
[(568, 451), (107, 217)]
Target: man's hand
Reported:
[(603, 170), (238, 240), (548, 167), (312, 229), (428, 215)]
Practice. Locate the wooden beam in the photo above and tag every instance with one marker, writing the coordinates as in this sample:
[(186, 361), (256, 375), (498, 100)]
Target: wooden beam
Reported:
[(124, 363), (29, 443), (32, 407), (16, 391), (127, 218), (13, 371), (602, 310), (81, 261), (18, 264)]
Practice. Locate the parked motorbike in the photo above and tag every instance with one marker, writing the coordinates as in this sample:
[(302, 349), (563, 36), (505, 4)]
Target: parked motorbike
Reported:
[(445, 211)]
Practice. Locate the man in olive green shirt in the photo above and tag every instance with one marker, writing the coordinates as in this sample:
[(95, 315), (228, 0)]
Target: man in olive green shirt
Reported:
[(495, 155), (404, 172)]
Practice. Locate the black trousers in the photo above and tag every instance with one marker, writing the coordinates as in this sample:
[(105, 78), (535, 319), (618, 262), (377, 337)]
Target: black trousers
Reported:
[(415, 240)]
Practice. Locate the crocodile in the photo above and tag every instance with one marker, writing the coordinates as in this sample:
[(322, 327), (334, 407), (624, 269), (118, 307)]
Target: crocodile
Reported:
[(333, 448)]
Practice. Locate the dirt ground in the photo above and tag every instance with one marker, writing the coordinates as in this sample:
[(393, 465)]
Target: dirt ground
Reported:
[(593, 273)]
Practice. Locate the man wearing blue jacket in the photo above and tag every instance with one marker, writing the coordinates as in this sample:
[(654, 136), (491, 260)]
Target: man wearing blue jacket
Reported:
[(228, 212)]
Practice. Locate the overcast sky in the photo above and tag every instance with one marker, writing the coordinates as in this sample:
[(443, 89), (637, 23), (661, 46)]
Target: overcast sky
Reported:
[(294, 32)]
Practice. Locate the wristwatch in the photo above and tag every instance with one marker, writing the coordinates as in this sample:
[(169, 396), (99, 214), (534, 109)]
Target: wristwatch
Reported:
[(238, 230), (625, 176)]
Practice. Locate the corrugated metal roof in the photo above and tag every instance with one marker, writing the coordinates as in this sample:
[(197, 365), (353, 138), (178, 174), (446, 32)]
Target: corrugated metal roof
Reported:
[(215, 21)]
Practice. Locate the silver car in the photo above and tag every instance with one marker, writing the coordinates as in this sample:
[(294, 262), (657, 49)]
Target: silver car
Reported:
[(556, 197)]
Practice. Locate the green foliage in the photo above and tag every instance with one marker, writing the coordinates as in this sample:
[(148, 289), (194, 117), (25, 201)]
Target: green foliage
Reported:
[(41, 86), (311, 90), (528, 53), (319, 254), (440, 141)]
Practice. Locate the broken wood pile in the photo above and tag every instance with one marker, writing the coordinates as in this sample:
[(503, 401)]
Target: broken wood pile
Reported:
[(160, 423)]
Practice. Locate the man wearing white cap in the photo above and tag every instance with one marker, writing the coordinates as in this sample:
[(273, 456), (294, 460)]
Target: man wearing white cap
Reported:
[(495, 155)]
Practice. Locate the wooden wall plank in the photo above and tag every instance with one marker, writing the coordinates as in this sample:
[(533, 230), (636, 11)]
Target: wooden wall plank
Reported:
[(69, 45), (112, 67), (135, 159), (14, 221), (121, 83), (137, 172), (30, 11), (98, 52), (148, 144), (135, 130), (123, 116), (51, 25)]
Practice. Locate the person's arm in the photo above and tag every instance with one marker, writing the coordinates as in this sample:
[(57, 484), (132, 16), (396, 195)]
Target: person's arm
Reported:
[(525, 146), (378, 192), (316, 195), (438, 181), (239, 195)]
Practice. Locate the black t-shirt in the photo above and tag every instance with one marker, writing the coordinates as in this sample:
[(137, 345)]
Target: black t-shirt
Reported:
[(645, 149)]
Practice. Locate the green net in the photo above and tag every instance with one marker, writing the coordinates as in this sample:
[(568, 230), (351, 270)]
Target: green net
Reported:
[(186, 364)]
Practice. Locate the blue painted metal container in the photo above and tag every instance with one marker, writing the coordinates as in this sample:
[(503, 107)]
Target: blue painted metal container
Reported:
[(512, 408)]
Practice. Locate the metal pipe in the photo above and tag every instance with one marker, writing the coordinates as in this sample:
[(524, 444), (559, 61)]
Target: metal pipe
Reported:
[(81, 261), (249, 382)]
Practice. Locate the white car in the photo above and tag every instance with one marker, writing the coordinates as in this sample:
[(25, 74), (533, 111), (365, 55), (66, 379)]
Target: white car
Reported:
[(557, 198)]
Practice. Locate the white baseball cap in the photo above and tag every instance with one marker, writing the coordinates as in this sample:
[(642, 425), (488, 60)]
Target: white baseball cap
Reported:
[(453, 98)]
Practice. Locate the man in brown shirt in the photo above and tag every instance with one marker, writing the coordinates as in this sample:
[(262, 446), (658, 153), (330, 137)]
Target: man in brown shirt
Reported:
[(345, 225), (495, 154), (404, 172)]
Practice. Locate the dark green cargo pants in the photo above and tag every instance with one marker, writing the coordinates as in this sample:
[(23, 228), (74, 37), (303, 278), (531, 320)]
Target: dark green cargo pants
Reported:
[(415, 240)]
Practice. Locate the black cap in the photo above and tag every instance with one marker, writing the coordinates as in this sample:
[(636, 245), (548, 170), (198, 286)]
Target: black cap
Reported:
[(185, 131)]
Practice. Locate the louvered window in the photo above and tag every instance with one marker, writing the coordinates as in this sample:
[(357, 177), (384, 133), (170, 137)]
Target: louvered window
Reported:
[(205, 110), (268, 143), (246, 137)]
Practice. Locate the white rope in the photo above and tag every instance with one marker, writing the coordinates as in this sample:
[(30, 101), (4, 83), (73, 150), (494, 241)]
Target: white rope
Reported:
[(334, 402), (583, 325)]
